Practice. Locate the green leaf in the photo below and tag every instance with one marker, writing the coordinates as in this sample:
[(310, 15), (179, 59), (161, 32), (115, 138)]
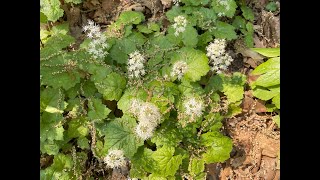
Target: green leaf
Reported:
[(219, 147), (55, 43), (205, 18), (167, 162), (112, 86), (51, 8), (196, 60), (195, 2), (130, 17), (60, 29), (264, 94), (74, 1), (234, 109), (248, 39), (89, 89), (224, 7), (97, 110), (204, 39), (59, 168), (247, 13), (167, 134), (268, 52), (271, 6), (123, 47), (270, 71), (83, 143), (276, 119), (270, 65), (43, 18), (190, 37), (119, 134), (239, 22), (50, 131), (196, 166), (156, 49), (143, 163), (224, 31), (52, 74), (77, 128), (276, 101), (232, 87), (173, 12), (52, 100), (148, 28)]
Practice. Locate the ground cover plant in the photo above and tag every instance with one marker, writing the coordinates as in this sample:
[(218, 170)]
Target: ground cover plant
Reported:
[(146, 97)]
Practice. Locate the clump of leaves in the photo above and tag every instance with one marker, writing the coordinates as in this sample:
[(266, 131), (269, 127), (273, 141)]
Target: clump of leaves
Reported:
[(267, 86), (90, 106)]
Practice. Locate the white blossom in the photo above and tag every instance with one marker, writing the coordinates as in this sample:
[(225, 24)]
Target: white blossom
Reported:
[(179, 25), (149, 114), (136, 65), (115, 159), (193, 107), (179, 69), (135, 106), (176, 2), (97, 47), (219, 59), (144, 131)]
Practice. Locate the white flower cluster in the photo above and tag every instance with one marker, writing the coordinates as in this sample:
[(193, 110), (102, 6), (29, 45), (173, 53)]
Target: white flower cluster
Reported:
[(176, 2), (115, 159), (219, 59), (98, 44), (136, 65), (148, 116), (193, 107), (179, 69), (179, 25)]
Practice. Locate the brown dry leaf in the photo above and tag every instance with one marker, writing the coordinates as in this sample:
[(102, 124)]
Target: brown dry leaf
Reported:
[(241, 48), (212, 170), (252, 78), (251, 62), (257, 42), (225, 173), (267, 168), (248, 103), (95, 2), (109, 5)]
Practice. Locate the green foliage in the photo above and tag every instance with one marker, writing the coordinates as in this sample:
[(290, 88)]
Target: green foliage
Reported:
[(267, 85), (271, 6), (112, 86), (231, 86), (218, 147), (119, 134), (224, 31), (247, 13), (86, 108), (51, 9), (167, 162), (224, 7)]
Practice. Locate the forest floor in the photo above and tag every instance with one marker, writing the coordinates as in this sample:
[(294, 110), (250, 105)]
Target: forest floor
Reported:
[(255, 136)]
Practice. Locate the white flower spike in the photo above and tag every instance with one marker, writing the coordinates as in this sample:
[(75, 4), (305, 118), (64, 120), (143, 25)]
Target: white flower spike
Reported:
[(179, 25), (136, 65), (115, 159), (179, 69), (219, 59)]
